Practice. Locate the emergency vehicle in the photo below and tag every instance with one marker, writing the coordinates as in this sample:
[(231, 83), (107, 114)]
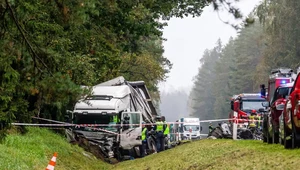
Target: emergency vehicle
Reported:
[(279, 87), (290, 120), (244, 104)]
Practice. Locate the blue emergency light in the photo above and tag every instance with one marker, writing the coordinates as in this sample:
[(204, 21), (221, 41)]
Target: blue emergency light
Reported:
[(283, 81)]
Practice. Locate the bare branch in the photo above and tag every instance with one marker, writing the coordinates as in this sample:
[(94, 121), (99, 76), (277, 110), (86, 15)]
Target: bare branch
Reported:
[(26, 40)]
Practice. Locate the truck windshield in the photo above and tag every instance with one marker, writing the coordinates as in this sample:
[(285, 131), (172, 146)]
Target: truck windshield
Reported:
[(97, 119), (251, 104), (193, 127)]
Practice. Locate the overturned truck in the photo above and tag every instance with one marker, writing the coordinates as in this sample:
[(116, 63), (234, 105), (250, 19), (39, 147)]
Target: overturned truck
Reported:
[(109, 121)]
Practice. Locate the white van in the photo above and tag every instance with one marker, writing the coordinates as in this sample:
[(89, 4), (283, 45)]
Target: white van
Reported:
[(190, 126)]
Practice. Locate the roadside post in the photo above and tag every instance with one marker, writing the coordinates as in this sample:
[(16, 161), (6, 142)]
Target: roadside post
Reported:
[(234, 129)]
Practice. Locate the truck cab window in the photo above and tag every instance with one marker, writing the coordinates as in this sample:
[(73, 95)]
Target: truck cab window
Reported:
[(251, 104), (131, 120)]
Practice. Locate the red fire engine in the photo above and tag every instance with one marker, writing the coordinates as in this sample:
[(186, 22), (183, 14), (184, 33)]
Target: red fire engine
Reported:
[(244, 104), (279, 87), (290, 124)]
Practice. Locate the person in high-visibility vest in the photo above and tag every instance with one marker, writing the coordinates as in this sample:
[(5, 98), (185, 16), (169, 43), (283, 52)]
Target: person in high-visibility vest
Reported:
[(116, 119), (159, 128), (252, 118), (167, 130), (144, 140), (167, 126), (258, 123)]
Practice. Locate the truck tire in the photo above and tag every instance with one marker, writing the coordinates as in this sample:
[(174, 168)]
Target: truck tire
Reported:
[(265, 129), (269, 139), (152, 146), (264, 138), (275, 138), (286, 143), (294, 141)]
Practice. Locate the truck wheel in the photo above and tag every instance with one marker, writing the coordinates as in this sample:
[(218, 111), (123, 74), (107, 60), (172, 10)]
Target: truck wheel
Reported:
[(166, 144), (294, 141), (275, 138), (152, 146), (265, 129), (264, 138), (269, 139), (286, 143)]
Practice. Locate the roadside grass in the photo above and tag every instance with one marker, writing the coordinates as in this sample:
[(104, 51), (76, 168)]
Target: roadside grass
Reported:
[(34, 150), (219, 154)]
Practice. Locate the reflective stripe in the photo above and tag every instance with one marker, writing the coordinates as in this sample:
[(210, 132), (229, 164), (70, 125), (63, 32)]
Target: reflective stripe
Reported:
[(50, 167), (159, 126), (144, 133)]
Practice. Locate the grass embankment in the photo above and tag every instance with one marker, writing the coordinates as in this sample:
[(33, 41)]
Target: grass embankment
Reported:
[(35, 149)]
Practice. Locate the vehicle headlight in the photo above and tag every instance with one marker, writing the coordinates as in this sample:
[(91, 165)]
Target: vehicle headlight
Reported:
[(280, 106)]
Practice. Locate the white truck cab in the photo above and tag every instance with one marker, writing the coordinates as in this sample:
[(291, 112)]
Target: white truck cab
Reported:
[(105, 99), (110, 107)]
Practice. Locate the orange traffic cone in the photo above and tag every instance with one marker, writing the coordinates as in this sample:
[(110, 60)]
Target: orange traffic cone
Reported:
[(52, 162)]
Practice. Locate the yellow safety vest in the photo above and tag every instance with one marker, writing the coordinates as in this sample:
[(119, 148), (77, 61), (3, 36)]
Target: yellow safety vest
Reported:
[(144, 133), (159, 126), (167, 130), (116, 119), (252, 121)]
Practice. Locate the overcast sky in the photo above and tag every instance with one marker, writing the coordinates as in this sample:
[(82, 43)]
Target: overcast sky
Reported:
[(188, 38)]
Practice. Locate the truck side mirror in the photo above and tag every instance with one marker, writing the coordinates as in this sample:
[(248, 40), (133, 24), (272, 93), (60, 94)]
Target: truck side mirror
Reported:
[(231, 104), (265, 104), (261, 110), (200, 128), (68, 115)]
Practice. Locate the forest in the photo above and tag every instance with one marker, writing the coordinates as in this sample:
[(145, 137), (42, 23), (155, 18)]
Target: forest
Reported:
[(50, 48), (245, 62)]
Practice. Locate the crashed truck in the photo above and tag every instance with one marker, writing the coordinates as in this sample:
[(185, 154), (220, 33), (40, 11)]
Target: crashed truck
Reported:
[(101, 119)]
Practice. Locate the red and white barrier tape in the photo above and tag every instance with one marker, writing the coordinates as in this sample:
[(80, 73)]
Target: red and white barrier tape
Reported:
[(64, 124)]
